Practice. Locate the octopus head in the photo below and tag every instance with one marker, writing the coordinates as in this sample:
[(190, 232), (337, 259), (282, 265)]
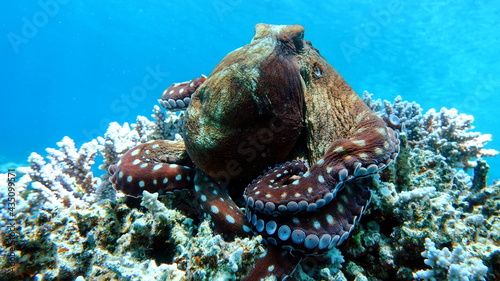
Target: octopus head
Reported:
[(248, 114)]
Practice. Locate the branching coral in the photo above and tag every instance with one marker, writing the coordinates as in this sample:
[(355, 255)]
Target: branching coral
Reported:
[(446, 132), (68, 171), (456, 265), (119, 139), (166, 126), (70, 225), (424, 195)]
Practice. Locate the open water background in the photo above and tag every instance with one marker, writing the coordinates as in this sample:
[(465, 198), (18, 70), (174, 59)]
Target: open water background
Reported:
[(70, 67)]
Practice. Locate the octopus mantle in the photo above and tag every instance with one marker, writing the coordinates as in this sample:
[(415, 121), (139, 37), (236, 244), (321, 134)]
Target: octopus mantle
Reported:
[(275, 100)]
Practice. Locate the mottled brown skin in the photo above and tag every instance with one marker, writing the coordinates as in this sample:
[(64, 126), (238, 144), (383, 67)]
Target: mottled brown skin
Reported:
[(249, 113), (336, 114)]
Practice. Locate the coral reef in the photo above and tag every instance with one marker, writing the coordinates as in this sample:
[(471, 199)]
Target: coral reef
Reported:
[(456, 265), (428, 217), (111, 241), (445, 132), (426, 195), (118, 139)]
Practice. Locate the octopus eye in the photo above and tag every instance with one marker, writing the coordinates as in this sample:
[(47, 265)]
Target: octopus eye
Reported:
[(297, 39), (298, 42)]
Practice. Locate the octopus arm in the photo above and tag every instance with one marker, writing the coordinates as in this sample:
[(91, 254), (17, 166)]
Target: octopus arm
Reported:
[(294, 236), (277, 262), (318, 230), (150, 167), (178, 95), (215, 202)]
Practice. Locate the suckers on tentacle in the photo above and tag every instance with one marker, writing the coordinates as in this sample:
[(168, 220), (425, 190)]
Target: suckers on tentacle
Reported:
[(293, 188), (315, 231), (178, 95)]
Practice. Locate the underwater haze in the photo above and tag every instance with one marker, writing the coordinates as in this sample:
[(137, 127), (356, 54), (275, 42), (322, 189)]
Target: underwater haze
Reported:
[(101, 179), (70, 67)]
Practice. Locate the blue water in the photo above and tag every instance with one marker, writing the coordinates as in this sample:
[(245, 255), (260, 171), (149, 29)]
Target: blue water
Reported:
[(70, 67)]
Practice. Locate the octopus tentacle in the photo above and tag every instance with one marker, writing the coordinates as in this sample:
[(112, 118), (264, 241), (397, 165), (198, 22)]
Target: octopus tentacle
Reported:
[(278, 262), (371, 143), (314, 188), (360, 144), (227, 217), (293, 188), (155, 166), (319, 230), (178, 95)]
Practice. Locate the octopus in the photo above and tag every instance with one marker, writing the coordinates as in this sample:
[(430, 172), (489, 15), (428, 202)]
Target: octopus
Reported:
[(277, 105)]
